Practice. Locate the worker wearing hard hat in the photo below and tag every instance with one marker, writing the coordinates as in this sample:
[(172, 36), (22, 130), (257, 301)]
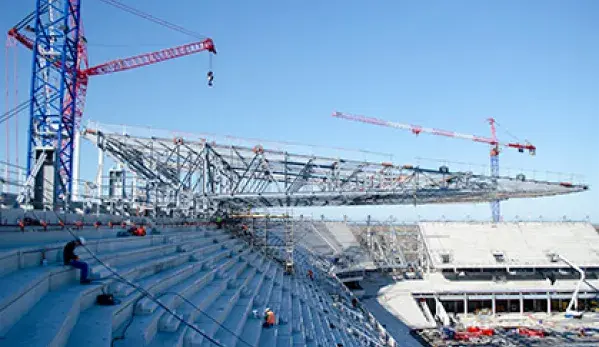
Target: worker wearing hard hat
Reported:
[(70, 258)]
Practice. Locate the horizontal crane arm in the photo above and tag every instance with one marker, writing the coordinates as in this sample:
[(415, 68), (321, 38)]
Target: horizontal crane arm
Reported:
[(416, 129), (24, 40), (151, 58)]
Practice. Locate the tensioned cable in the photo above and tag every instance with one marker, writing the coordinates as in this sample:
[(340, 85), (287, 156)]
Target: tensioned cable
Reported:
[(154, 19), (142, 290)]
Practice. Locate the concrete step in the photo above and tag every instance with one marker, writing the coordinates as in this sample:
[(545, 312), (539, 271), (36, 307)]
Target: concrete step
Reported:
[(232, 328), (97, 319), (23, 289), (268, 337), (60, 311), (120, 313), (144, 328), (320, 335), (299, 338), (309, 327), (252, 327), (136, 271), (211, 322), (202, 300), (215, 315), (200, 277)]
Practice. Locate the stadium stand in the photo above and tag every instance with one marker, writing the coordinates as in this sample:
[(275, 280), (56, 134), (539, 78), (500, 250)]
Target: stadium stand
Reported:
[(335, 240), (206, 275), (510, 245)]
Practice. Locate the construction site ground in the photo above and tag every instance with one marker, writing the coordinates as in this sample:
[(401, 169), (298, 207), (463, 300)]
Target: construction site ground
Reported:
[(558, 330)]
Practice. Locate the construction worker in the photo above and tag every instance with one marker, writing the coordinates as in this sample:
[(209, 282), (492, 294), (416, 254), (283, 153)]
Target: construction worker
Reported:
[(79, 224), (137, 231), (70, 258), (269, 318), (141, 231), (311, 274)]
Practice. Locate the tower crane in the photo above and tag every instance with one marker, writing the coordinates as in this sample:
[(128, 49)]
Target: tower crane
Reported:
[(495, 144), (54, 32)]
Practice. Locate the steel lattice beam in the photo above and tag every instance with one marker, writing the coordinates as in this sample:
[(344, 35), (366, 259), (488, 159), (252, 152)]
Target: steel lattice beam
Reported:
[(238, 177)]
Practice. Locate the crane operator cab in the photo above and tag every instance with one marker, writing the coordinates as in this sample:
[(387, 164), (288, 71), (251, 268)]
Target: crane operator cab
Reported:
[(210, 77)]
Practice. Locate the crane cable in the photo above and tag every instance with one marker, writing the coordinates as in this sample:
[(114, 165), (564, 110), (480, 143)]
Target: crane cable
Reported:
[(154, 19), (145, 293)]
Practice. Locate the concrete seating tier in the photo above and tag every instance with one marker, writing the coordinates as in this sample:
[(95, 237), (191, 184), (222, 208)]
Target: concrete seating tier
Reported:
[(526, 244), (211, 279)]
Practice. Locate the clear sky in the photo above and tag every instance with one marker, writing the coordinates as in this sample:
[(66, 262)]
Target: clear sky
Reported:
[(284, 66)]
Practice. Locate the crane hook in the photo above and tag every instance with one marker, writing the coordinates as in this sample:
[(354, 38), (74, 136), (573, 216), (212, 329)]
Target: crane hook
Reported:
[(210, 77), (210, 74)]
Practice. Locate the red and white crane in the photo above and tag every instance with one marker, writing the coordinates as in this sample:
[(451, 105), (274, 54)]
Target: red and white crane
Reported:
[(60, 78), (492, 141)]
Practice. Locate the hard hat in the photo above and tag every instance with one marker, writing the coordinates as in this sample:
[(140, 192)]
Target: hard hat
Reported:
[(81, 240), (267, 309)]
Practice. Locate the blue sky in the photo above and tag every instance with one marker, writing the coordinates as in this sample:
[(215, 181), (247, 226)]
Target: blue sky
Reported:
[(284, 66)]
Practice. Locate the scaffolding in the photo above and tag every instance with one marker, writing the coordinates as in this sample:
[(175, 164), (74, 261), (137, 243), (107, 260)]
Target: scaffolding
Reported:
[(271, 232), (393, 247)]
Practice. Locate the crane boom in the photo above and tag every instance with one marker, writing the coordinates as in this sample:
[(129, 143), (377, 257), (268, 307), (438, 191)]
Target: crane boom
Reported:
[(151, 58), (416, 129), (61, 64)]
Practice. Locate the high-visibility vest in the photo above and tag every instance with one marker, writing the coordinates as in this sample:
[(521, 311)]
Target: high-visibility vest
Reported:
[(270, 318)]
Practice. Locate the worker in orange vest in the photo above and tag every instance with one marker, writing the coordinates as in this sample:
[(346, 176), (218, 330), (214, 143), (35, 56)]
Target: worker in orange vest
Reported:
[(269, 318), (139, 231), (44, 225), (311, 275)]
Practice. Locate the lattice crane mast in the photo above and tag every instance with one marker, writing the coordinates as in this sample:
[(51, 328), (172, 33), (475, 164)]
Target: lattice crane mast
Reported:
[(492, 141), (60, 77)]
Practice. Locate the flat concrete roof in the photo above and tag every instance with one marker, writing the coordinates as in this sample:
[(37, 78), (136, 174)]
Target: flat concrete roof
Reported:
[(436, 283)]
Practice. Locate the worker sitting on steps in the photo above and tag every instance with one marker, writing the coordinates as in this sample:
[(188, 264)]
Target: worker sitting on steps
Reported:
[(70, 258), (269, 318)]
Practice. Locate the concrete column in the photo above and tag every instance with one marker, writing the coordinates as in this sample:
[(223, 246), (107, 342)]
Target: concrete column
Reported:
[(465, 304), (100, 171), (521, 304), (493, 303), (548, 303), (76, 151)]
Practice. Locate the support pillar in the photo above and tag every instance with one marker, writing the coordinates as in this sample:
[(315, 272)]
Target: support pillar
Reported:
[(548, 304), (521, 304), (44, 185), (99, 173), (493, 304), (465, 304), (76, 150)]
